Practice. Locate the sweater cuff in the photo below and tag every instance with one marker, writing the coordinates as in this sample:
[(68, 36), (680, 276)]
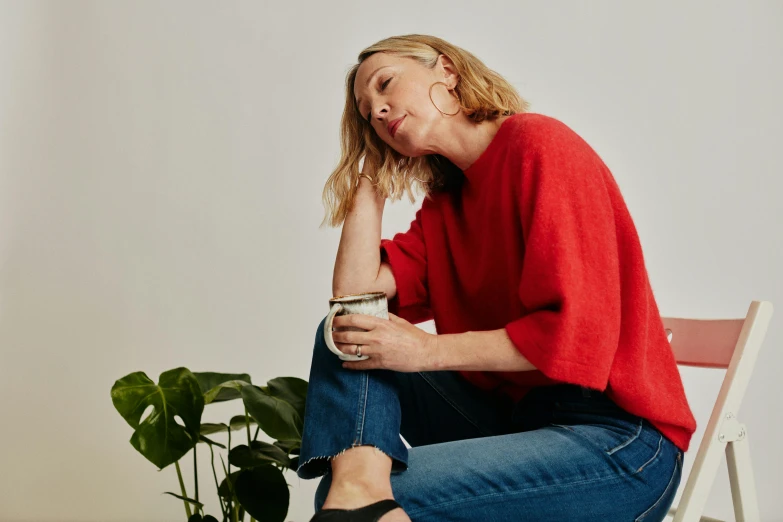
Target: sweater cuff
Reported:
[(406, 302), (553, 364)]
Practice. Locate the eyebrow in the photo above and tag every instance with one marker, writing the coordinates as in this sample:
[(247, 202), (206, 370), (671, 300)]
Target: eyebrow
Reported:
[(359, 101)]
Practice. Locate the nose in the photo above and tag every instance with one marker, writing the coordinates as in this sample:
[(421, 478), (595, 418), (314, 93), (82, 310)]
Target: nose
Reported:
[(377, 113)]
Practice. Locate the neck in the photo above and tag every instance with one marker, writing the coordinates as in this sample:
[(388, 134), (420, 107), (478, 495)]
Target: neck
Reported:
[(466, 140)]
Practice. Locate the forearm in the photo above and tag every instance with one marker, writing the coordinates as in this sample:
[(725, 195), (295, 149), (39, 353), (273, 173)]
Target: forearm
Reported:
[(358, 255), (490, 351)]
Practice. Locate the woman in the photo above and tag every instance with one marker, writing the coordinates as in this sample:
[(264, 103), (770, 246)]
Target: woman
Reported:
[(550, 391)]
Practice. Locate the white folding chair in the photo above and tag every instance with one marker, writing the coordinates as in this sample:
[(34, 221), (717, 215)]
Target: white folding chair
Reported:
[(733, 345)]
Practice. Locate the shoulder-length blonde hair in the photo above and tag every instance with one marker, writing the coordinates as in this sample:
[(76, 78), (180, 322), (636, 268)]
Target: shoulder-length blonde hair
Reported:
[(482, 93)]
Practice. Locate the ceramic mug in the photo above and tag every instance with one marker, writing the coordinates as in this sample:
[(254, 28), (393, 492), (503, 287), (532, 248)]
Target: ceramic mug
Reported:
[(371, 303)]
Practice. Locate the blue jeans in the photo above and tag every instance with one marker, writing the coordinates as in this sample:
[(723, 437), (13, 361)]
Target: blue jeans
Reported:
[(563, 452)]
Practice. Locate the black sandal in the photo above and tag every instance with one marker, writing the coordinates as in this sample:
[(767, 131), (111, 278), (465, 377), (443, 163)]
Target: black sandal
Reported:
[(369, 513)]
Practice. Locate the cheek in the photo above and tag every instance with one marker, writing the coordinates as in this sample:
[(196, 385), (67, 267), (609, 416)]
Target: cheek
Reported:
[(416, 131)]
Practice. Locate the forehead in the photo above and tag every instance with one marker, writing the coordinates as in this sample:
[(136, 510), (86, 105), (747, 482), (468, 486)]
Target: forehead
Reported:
[(369, 66)]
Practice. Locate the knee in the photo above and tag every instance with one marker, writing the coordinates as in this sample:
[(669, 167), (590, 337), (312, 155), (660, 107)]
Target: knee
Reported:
[(322, 491)]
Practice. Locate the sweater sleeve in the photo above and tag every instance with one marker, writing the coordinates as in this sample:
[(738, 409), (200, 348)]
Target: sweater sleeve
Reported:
[(407, 255), (570, 282)]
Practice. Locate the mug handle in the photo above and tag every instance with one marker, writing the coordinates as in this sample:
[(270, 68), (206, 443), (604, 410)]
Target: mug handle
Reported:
[(336, 307)]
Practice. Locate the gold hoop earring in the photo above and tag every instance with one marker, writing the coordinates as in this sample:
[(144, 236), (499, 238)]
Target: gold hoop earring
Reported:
[(436, 106)]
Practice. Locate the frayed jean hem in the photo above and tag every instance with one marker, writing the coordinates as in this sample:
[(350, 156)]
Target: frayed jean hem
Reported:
[(318, 466)]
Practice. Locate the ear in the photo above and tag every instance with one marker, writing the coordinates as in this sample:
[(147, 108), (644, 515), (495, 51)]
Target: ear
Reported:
[(449, 71)]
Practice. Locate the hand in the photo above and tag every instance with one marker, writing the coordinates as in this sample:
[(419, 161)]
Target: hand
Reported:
[(393, 344)]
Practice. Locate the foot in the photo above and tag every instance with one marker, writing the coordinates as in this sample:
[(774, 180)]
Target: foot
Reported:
[(345, 495)]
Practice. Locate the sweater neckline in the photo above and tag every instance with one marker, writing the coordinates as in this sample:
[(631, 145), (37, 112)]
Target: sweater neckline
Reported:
[(473, 172)]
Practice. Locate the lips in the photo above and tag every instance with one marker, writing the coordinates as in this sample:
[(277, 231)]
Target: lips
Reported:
[(393, 126)]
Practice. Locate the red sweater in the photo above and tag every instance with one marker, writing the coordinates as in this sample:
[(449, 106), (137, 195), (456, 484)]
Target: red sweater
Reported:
[(539, 241)]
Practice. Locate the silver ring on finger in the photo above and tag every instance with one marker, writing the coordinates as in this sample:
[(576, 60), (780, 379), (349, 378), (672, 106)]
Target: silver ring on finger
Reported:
[(358, 350)]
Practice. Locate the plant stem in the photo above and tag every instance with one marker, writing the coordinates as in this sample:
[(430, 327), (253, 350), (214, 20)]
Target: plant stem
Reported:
[(247, 425), (214, 474), (230, 499), (182, 488), (258, 428), (228, 451), (195, 470)]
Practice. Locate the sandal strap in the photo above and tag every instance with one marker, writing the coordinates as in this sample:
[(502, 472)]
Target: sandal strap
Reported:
[(369, 513)]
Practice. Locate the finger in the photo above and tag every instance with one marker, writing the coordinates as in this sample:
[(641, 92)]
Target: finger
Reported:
[(346, 348), (352, 337), (351, 349), (363, 321), (395, 319)]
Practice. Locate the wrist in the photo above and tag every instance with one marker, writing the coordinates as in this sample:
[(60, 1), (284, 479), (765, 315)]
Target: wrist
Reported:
[(366, 186), (434, 353)]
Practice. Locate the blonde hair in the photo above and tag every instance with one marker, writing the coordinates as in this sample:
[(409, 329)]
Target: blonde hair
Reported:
[(481, 92)]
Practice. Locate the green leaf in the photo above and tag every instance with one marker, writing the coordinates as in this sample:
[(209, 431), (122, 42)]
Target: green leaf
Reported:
[(186, 499), (211, 442), (225, 391), (196, 517), (263, 492), (293, 390), (238, 422), (159, 437), (225, 485), (278, 418), (258, 454), (209, 380), (208, 428), (290, 447)]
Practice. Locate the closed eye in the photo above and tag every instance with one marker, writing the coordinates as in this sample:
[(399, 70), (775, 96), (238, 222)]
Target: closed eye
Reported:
[(383, 86)]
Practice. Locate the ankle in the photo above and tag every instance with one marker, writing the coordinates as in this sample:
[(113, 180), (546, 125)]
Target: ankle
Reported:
[(359, 486)]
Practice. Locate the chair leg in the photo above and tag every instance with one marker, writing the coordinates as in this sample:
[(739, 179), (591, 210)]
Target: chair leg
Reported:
[(743, 487), (697, 487), (673, 511)]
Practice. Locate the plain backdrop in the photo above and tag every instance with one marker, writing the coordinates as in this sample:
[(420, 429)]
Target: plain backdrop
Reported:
[(161, 169)]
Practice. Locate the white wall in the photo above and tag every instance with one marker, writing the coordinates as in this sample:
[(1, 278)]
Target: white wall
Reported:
[(161, 167)]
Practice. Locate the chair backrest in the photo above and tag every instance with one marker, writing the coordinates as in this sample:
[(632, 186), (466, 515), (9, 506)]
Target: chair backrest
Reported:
[(731, 344), (706, 343)]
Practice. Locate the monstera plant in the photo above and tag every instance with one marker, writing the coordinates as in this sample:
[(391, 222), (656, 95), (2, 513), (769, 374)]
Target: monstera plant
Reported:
[(166, 419)]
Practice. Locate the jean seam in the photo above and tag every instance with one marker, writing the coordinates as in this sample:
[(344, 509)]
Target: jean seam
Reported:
[(362, 410), (665, 491), (453, 405), (605, 478), (657, 452), (583, 436), (627, 442), (592, 442)]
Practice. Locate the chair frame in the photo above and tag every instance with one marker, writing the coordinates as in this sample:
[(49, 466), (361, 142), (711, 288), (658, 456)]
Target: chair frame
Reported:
[(733, 345)]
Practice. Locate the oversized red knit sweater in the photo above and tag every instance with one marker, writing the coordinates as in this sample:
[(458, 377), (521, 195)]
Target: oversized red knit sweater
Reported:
[(539, 241)]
